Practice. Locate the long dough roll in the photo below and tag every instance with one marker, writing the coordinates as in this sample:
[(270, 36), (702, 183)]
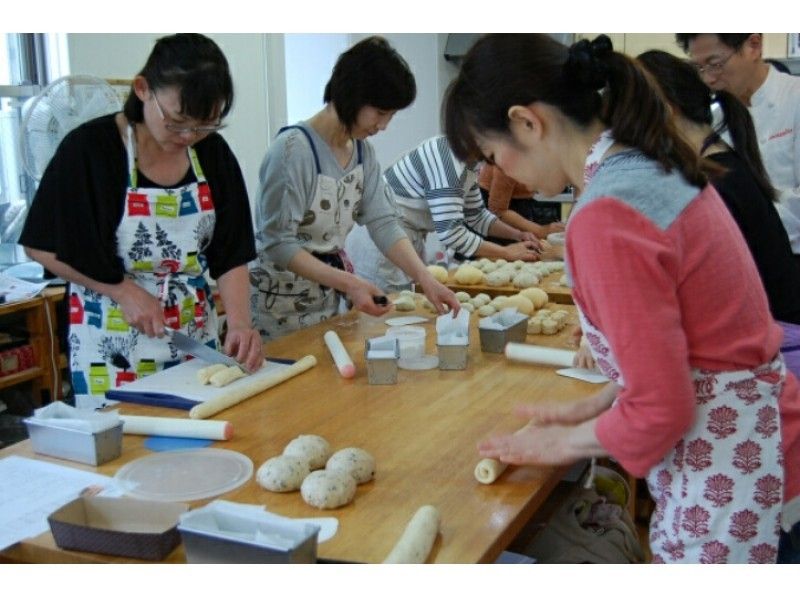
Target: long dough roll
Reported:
[(415, 544), (488, 470), (173, 426), (246, 390)]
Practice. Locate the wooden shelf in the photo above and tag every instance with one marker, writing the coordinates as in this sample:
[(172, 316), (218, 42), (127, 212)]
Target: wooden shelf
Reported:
[(20, 377)]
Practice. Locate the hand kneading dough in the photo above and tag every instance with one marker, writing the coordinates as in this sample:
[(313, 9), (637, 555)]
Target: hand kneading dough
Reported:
[(488, 470), (415, 544), (355, 461), (283, 473), (468, 275), (328, 489), (204, 374), (226, 376), (439, 273), (314, 449)]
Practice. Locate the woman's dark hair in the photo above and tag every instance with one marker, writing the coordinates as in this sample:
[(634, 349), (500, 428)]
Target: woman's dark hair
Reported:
[(685, 90), (732, 40), (371, 73), (197, 67), (586, 81)]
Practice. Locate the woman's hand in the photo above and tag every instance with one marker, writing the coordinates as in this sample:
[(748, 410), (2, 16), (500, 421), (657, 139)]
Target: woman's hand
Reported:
[(529, 236), (139, 308), (583, 357), (527, 251), (361, 293), (439, 295), (245, 346), (555, 227), (531, 445)]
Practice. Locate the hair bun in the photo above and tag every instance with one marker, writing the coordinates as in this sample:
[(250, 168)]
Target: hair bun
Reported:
[(586, 64)]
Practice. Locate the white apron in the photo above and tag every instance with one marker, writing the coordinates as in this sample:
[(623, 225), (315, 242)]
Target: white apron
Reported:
[(160, 242), (719, 491), (283, 301)]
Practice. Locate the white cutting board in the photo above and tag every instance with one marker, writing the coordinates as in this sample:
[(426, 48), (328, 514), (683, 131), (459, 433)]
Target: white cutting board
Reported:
[(181, 380)]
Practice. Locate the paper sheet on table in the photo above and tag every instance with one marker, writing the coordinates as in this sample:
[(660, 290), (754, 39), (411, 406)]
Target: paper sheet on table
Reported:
[(591, 376), (30, 490), (15, 289), (327, 525)]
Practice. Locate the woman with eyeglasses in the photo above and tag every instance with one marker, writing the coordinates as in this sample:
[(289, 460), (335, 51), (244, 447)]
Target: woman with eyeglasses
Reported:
[(700, 401), (320, 177), (134, 209)]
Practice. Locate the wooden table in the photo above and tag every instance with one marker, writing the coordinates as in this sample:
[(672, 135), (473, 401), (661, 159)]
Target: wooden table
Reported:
[(422, 431), (550, 285)]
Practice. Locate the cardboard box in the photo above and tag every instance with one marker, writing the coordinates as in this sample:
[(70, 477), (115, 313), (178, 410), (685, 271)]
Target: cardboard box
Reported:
[(126, 527), (92, 448)]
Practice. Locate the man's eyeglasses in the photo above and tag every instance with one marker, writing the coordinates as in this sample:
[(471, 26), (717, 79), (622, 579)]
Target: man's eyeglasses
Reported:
[(712, 68), (182, 130)]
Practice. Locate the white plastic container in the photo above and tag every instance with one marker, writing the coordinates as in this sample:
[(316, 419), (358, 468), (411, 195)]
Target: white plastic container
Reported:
[(411, 339)]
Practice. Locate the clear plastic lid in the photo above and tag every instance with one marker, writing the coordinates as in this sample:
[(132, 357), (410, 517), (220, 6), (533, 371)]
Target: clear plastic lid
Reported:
[(184, 475)]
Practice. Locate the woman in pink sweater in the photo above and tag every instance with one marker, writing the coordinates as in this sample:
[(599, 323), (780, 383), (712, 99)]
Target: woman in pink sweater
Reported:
[(700, 401)]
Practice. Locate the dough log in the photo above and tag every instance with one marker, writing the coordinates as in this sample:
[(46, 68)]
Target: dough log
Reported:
[(415, 544), (226, 376), (488, 470), (248, 389)]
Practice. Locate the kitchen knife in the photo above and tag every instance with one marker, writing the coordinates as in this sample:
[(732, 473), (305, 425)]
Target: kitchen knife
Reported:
[(188, 345)]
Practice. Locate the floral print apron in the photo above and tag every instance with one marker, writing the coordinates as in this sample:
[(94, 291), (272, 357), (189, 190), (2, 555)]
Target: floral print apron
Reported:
[(160, 242), (718, 492), (283, 301)]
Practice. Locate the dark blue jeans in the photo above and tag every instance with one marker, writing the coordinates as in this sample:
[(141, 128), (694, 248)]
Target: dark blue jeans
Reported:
[(789, 546)]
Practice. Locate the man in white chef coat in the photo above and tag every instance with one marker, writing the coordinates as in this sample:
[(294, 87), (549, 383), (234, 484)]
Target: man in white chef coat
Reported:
[(734, 62)]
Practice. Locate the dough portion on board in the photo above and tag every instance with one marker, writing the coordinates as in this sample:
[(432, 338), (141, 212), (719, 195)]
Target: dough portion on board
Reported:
[(204, 374), (415, 544), (226, 376)]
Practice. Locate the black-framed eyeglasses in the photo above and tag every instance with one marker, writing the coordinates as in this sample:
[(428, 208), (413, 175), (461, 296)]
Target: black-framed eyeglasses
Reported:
[(180, 129), (713, 68)]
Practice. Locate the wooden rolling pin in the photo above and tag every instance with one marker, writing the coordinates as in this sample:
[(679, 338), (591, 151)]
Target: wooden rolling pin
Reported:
[(246, 390)]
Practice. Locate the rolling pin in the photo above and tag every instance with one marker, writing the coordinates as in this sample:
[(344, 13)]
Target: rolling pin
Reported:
[(179, 428), (539, 355), (245, 390), (340, 356)]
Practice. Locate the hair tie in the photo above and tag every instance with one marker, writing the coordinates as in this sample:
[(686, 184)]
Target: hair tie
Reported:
[(586, 64)]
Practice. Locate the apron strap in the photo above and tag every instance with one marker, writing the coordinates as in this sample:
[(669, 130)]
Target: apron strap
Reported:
[(359, 149), (310, 142)]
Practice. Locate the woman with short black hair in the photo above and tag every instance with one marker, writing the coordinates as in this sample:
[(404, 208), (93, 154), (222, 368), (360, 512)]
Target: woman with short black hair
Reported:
[(134, 208), (318, 178)]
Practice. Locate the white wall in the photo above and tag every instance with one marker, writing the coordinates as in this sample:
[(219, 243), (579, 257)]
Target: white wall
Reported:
[(122, 55), (309, 60)]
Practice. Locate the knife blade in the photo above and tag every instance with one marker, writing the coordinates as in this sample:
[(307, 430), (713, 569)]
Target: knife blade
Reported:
[(188, 345)]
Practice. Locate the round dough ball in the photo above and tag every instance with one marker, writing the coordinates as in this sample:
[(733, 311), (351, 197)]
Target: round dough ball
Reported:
[(328, 489), (543, 313), (439, 273), (355, 461), (483, 297), (500, 262), (314, 449), (498, 278), (537, 296), (486, 310), (463, 296), (284, 473), (534, 326), (517, 264), (405, 303), (468, 275), (488, 267), (549, 326), (468, 306), (523, 280), (522, 304), (499, 302), (563, 281)]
